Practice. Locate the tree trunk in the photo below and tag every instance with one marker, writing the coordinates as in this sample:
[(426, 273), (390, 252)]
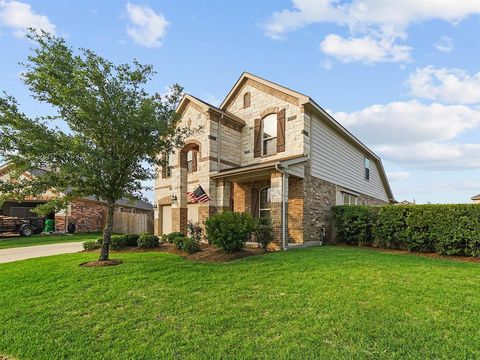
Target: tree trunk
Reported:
[(107, 232)]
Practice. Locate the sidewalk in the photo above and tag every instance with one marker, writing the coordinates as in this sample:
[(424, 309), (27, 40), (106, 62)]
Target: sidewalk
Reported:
[(29, 252)]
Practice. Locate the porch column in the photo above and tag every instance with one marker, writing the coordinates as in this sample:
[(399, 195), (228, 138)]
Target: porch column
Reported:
[(276, 185), (179, 190), (223, 195)]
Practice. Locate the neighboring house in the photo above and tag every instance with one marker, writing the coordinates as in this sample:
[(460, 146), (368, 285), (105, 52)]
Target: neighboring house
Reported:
[(264, 149), (476, 199), (88, 213)]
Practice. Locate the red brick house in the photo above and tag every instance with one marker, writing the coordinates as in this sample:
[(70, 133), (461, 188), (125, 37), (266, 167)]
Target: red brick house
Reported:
[(88, 214)]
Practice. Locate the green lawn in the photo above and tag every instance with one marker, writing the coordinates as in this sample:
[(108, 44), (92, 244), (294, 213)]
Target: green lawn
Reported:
[(19, 241), (330, 302)]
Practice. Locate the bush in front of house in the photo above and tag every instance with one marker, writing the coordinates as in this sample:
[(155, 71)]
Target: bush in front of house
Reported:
[(91, 245), (263, 232), (190, 245), (117, 242), (131, 239), (229, 231), (171, 237), (354, 224), (451, 229), (147, 241)]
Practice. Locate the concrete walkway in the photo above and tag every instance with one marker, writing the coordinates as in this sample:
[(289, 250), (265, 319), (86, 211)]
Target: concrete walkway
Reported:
[(29, 252)]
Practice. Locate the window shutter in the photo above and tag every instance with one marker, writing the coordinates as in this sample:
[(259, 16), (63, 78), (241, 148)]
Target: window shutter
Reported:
[(254, 202), (194, 161), (257, 138), (164, 166), (281, 130)]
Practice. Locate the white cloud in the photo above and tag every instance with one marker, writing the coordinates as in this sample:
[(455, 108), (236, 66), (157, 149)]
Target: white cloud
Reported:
[(434, 156), (450, 85), (445, 44), (395, 176), (417, 135), (147, 28), (374, 20), (410, 122), (365, 49), (19, 16)]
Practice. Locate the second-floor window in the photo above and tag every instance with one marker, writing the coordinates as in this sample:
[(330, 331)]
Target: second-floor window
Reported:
[(192, 161), (168, 166), (269, 134), (367, 168)]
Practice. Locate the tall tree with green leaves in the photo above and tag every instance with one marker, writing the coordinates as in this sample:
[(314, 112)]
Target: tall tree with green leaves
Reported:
[(105, 137)]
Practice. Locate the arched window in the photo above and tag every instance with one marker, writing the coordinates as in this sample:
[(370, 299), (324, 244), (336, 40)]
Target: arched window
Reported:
[(264, 202), (246, 100), (269, 134), (192, 161)]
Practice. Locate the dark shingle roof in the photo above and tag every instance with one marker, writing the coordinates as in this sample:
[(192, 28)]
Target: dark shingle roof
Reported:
[(476, 197)]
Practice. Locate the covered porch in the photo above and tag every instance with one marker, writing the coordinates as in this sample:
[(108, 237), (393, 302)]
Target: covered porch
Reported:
[(271, 189)]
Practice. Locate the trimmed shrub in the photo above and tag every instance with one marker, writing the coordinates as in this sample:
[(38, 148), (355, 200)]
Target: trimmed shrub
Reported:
[(147, 241), (190, 245), (91, 245), (390, 230), (131, 239), (171, 237), (354, 224), (229, 231), (117, 242), (178, 241), (447, 229), (263, 232)]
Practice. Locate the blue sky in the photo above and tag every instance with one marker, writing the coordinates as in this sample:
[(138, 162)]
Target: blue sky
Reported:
[(403, 76)]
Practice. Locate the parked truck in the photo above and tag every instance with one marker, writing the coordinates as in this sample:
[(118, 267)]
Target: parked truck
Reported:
[(9, 224)]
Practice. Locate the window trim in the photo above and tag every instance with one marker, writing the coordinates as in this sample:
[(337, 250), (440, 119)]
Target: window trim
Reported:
[(262, 145), (169, 166)]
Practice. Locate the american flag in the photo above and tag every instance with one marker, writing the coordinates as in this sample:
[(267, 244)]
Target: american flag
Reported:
[(198, 195)]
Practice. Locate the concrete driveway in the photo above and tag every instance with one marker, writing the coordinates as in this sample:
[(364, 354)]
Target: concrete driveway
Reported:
[(29, 252)]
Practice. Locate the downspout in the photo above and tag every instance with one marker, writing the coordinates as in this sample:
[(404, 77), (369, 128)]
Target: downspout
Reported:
[(284, 212)]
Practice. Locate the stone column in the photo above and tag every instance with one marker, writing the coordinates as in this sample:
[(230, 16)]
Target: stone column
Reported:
[(276, 185), (223, 195), (179, 190)]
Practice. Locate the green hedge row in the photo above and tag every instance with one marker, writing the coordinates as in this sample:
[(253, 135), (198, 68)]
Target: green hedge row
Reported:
[(446, 229)]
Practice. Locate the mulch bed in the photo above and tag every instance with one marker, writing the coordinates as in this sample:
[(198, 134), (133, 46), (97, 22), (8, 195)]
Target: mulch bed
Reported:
[(100, 263), (430, 255), (208, 253)]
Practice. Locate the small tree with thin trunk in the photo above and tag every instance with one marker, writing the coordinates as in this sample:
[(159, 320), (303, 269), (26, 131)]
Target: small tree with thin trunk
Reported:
[(104, 138)]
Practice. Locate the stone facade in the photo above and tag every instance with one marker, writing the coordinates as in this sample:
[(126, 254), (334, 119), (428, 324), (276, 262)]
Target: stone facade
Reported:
[(226, 142)]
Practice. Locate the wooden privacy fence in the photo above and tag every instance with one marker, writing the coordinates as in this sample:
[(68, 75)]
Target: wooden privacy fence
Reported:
[(131, 223)]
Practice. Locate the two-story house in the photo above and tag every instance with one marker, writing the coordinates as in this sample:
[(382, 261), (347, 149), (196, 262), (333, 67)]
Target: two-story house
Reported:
[(270, 151)]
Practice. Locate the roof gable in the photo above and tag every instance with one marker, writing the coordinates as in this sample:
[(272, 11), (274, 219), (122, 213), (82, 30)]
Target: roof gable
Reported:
[(274, 89)]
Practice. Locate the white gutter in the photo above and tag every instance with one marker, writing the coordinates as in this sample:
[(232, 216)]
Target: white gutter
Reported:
[(284, 212)]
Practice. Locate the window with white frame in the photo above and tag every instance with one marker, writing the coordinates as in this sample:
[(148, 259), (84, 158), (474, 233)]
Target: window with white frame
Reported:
[(367, 168), (349, 199), (269, 134), (264, 202)]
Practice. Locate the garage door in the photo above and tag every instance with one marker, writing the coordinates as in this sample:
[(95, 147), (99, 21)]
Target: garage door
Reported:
[(166, 219), (193, 212)]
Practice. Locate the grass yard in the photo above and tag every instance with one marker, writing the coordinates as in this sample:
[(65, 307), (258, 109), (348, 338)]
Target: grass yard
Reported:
[(20, 241), (330, 302)]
